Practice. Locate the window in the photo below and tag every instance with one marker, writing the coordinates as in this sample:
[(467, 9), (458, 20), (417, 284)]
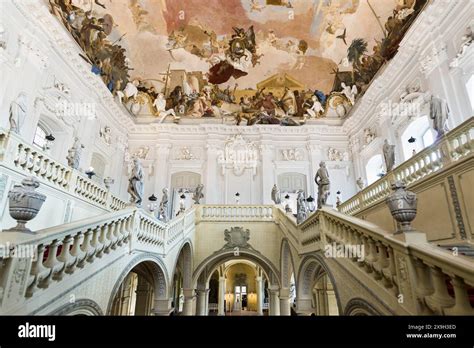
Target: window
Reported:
[(374, 169), (40, 137), (428, 138)]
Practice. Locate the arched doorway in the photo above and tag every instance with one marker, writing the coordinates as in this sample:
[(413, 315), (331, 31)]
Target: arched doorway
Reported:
[(182, 293), (183, 184), (139, 290), (288, 285), (243, 279), (317, 294)]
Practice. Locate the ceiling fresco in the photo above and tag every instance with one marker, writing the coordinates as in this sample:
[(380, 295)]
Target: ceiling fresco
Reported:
[(254, 61)]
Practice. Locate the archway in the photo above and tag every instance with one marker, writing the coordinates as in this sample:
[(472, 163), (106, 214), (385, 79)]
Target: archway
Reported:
[(360, 307), (181, 288), (288, 286), (317, 292), (79, 307), (264, 273), (140, 288)]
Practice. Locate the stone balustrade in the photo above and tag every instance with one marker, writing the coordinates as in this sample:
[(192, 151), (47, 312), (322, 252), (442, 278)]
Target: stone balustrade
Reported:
[(55, 253), (27, 159), (236, 212), (429, 279), (454, 146)]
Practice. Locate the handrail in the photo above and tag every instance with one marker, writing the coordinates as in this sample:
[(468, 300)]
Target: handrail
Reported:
[(455, 145), (392, 263), (59, 251), (26, 159)]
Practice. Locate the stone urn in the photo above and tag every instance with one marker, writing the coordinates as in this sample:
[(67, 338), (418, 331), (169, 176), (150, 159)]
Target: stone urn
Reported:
[(25, 203), (402, 205)]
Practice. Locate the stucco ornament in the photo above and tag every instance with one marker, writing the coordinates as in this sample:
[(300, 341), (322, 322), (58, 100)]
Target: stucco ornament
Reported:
[(236, 237)]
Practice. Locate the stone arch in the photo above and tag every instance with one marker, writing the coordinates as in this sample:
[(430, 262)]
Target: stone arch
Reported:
[(185, 262), (205, 269), (360, 307), (311, 269), (287, 266), (79, 307), (152, 269)]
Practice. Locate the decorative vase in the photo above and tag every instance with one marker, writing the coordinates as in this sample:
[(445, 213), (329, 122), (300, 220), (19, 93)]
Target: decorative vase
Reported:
[(25, 203), (402, 205)]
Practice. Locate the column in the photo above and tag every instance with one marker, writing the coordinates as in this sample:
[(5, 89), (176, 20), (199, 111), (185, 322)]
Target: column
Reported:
[(188, 301), (285, 301), (274, 301), (221, 296), (162, 307), (143, 304), (202, 299), (260, 295)]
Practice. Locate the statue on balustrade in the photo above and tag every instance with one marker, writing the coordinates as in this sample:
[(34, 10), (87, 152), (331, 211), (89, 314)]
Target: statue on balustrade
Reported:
[(18, 109), (74, 154), (360, 183), (135, 185), (163, 211), (439, 113), (322, 180), (301, 208), (389, 155), (276, 195), (198, 195)]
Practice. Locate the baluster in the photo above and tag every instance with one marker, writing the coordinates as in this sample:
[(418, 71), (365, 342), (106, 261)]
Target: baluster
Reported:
[(51, 263), (440, 298), (64, 257), (76, 253), (462, 304)]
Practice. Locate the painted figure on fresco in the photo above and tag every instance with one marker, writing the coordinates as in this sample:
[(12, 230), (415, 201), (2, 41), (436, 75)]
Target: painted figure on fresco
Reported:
[(211, 49)]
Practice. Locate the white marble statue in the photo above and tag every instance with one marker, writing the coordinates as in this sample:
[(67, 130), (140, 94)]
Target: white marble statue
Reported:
[(439, 113), (198, 195), (301, 208), (18, 109), (106, 134), (322, 180), (74, 154), (135, 185), (389, 155), (369, 136), (276, 195), (163, 211), (360, 183)]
